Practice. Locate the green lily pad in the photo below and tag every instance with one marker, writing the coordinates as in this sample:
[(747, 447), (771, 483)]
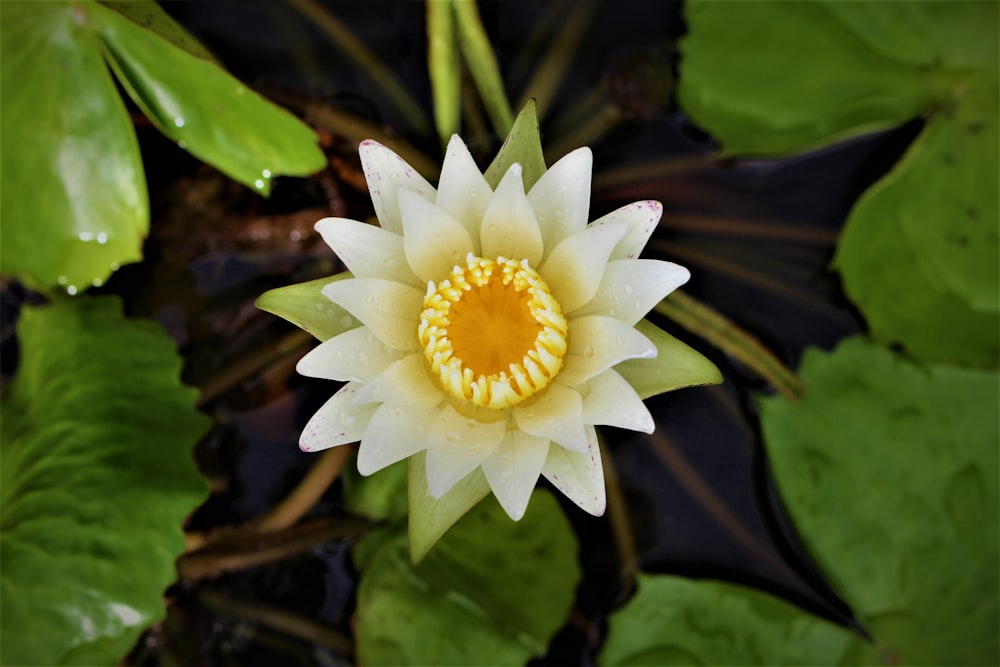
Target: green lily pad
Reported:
[(675, 365), (75, 204), (98, 476), (919, 254), (677, 621), (890, 471), (492, 591)]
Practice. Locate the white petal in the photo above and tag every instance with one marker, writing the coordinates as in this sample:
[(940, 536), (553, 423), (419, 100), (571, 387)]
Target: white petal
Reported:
[(561, 197), (456, 445), (463, 191), (631, 287), (434, 241), (574, 268), (579, 476), (641, 218), (513, 469), (394, 433), (509, 227), (385, 172), (557, 415), (367, 250), (595, 343), (609, 400), (353, 355), (338, 422), (390, 309), (406, 382)]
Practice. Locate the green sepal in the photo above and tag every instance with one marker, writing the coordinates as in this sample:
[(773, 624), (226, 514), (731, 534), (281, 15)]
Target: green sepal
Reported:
[(675, 366), (523, 145), (304, 305)]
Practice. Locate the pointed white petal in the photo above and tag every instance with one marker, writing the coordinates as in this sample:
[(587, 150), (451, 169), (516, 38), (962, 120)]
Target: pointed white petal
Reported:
[(338, 422), (596, 343), (405, 382), (631, 287), (367, 250), (557, 415), (390, 309), (353, 355), (561, 197), (579, 476), (573, 270), (513, 469), (394, 433), (463, 191), (456, 445), (434, 241), (509, 227), (385, 172), (641, 218), (609, 400)]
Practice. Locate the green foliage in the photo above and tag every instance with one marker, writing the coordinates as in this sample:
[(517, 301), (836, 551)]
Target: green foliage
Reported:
[(675, 365), (97, 477), (890, 471), (492, 591), (677, 621), (75, 204), (919, 254)]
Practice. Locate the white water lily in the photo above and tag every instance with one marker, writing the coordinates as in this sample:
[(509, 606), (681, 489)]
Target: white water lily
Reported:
[(491, 325)]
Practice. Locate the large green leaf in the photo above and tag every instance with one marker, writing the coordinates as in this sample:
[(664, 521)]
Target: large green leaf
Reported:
[(919, 254), (74, 193), (198, 104), (889, 470), (75, 204), (97, 477), (492, 591), (677, 621)]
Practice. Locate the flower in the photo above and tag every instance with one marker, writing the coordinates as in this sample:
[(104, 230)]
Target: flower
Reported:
[(491, 325)]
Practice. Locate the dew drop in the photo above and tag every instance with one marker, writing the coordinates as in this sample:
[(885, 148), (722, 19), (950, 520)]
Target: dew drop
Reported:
[(97, 282), (63, 280), (182, 144), (259, 184), (71, 290), (179, 122), (451, 436), (102, 238), (114, 266), (346, 419), (85, 236), (628, 290), (588, 351), (346, 321), (266, 173), (362, 358), (567, 467)]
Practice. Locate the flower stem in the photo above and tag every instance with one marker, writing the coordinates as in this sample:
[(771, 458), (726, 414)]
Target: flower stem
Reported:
[(304, 496), (483, 65)]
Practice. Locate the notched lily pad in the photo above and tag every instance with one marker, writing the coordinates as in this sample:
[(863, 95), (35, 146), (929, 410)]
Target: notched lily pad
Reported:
[(98, 476)]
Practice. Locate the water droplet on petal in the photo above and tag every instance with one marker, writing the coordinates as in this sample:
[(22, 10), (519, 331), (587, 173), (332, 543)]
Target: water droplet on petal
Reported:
[(628, 289), (346, 419), (102, 237), (362, 358), (588, 351), (346, 321), (451, 436)]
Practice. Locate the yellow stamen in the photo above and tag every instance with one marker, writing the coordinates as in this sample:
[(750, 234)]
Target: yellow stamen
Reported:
[(492, 332)]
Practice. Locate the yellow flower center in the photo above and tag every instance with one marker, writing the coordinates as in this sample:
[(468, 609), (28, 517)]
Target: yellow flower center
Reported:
[(492, 332)]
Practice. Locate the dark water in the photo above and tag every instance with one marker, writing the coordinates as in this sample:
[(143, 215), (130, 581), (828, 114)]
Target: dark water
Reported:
[(757, 236)]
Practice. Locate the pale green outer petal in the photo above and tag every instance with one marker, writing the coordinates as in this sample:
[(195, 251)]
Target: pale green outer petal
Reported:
[(509, 226), (463, 191), (390, 309), (394, 433), (338, 422), (575, 267), (631, 287), (367, 251), (579, 476), (456, 446), (641, 218), (353, 355), (609, 400), (405, 382), (434, 241), (596, 343), (561, 197), (513, 469), (385, 172), (430, 518), (557, 415)]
